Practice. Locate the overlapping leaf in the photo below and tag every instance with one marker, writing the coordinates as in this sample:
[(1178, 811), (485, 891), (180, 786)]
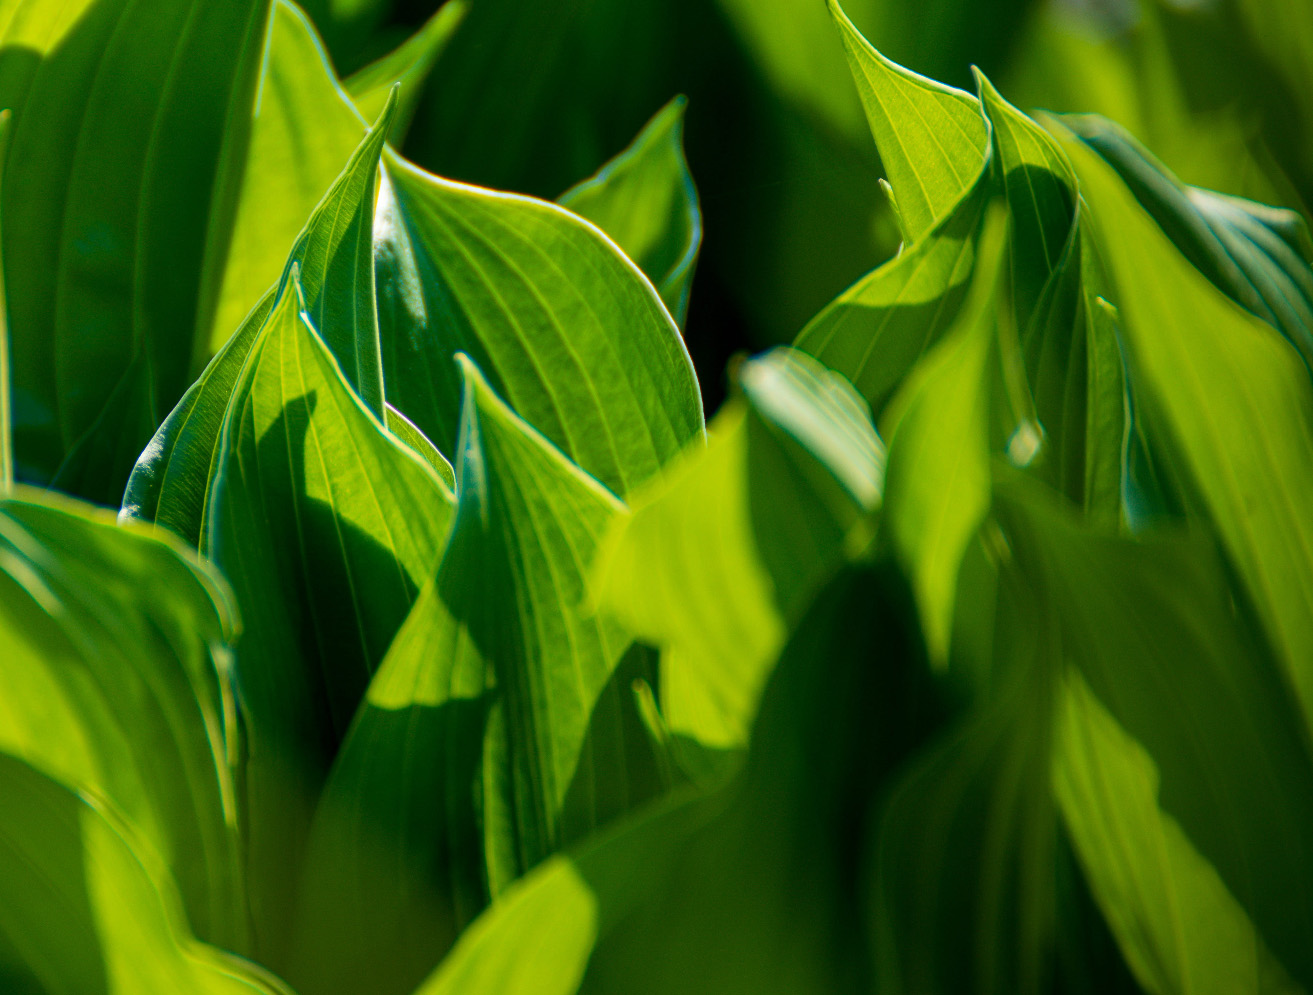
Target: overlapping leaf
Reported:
[(119, 174), (85, 906), (503, 695), (327, 526), (716, 562), (645, 200), (114, 680)]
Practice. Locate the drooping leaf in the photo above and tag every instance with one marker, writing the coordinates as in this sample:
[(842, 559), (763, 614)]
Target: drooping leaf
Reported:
[(114, 680), (716, 562), (409, 65), (86, 906), (875, 331), (938, 480), (333, 253), (564, 326), (118, 177), (1231, 407), (931, 137), (645, 200), (327, 526)]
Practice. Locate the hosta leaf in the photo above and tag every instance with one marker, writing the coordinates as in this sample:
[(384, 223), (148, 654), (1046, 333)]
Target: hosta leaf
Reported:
[(1181, 761), (1231, 406), (938, 479), (116, 186), (1105, 394), (303, 128), (752, 889), (528, 523), (409, 64), (1040, 189), (1179, 927), (564, 326), (333, 252), (931, 137), (327, 526), (503, 695), (86, 906), (6, 408), (717, 560), (645, 200), (1258, 256), (114, 680), (875, 331)]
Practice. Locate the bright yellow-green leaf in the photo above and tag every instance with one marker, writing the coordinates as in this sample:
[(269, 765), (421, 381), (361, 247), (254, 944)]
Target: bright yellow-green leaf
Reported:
[(86, 906), (938, 481), (931, 137), (114, 679)]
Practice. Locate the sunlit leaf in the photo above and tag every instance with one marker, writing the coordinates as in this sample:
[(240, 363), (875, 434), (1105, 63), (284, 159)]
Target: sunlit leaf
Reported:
[(327, 526), (114, 680), (931, 137)]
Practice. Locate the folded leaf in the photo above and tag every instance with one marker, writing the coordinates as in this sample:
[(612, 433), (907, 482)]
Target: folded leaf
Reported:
[(327, 526), (938, 480), (645, 200), (333, 253), (1231, 408), (931, 137)]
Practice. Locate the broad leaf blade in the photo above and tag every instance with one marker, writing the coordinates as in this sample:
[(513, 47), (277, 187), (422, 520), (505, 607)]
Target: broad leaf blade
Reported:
[(564, 326), (645, 200), (112, 202)]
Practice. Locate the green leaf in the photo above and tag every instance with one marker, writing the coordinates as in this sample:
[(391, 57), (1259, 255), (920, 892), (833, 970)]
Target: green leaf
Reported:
[(409, 65), (114, 680), (1179, 927), (303, 128), (1181, 759), (1258, 256), (1105, 395), (938, 480), (1231, 405), (753, 888), (173, 475), (565, 326), (86, 906), (644, 199), (405, 430), (117, 179), (931, 137), (6, 412), (503, 700), (875, 332), (717, 560), (327, 526)]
